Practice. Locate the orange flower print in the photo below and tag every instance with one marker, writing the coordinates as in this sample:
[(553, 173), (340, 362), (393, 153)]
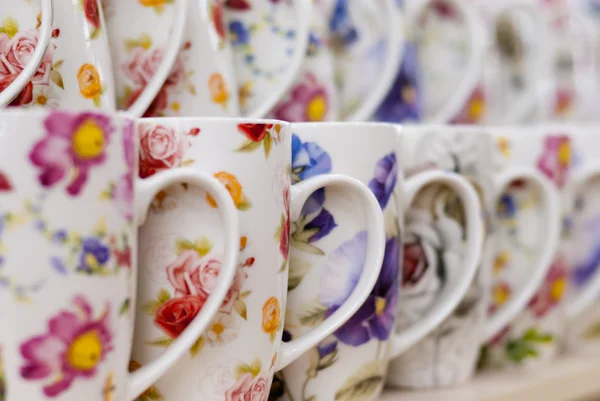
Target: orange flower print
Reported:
[(271, 315), (152, 3), (235, 190), (218, 89), (90, 85)]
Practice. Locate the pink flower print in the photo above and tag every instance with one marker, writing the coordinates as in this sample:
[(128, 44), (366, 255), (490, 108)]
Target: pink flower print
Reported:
[(248, 388), (123, 191), (307, 102), (74, 142), (552, 290), (16, 52), (192, 274), (556, 159), (72, 348), (161, 148), (235, 289)]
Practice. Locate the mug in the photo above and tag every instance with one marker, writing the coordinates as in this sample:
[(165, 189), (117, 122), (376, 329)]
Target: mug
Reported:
[(435, 78), (21, 53), (516, 75), (238, 354), (69, 190), (269, 41), (75, 71), (202, 80), (572, 283), (354, 359), (449, 354), (142, 58)]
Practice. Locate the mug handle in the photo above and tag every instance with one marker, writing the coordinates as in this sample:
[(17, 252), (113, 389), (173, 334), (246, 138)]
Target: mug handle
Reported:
[(551, 209), (292, 350), (459, 282), (395, 43), (141, 104), (144, 377), (12, 90), (589, 294), (473, 69), (304, 12)]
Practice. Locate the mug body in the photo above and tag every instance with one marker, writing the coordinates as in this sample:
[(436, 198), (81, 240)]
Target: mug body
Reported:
[(532, 337), (201, 82), (68, 259), (328, 245), (313, 96), (448, 355), (181, 258), (76, 71)]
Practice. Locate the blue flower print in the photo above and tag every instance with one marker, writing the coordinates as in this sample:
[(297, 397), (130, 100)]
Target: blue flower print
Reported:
[(314, 44), (403, 102), (240, 35), (341, 25), (94, 255), (507, 206), (308, 160), (375, 318), (384, 182)]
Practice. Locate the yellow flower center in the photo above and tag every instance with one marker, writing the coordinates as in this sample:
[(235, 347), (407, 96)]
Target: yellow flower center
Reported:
[(379, 306), (218, 328), (408, 94), (476, 108), (557, 289), (85, 351), (501, 295), (564, 154), (317, 108), (501, 261), (88, 140), (91, 261), (42, 100)]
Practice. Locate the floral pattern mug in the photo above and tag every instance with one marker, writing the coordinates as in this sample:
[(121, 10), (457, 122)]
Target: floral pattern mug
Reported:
[(69, 190), (325, 252), (75, 72), (181, 258), (449, 354)]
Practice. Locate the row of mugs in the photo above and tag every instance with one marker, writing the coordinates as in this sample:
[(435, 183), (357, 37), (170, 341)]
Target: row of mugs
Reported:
[(280, 247), (437, 61)]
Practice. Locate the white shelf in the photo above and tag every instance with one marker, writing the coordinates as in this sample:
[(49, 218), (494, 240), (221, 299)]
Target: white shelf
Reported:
[(566, 379)]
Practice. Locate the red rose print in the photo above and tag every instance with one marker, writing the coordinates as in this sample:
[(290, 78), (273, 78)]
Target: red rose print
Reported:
[(177, 313), (92, 12), (415, 263), (217, 16), (255, 132), (238, 4), (5, 185)]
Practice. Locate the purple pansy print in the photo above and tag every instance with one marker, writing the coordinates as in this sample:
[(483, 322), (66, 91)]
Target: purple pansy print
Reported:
[(73, 142), (72, 348), (123, 191), (403, 102), (94, 255), (308, 160), (585, 270), (376, 316), (384, 182)]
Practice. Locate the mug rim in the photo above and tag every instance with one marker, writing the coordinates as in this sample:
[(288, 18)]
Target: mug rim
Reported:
[(192, 119), (39, 111)]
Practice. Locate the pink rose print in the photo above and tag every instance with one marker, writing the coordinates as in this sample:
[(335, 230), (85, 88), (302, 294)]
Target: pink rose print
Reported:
[(552, 290), (74, 142), (5, 184), (556, 159), (248, 388), (160, 148), (307, 102), (235, 289), (73, 347), (192, 274)]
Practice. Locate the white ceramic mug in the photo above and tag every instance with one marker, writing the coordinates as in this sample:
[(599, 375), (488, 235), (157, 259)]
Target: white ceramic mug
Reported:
[(21, 55), (75, 71), (359, 351), (572, 283), (69, 190), (143, 49), (448, 355), (242, 348), (269, 41)]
